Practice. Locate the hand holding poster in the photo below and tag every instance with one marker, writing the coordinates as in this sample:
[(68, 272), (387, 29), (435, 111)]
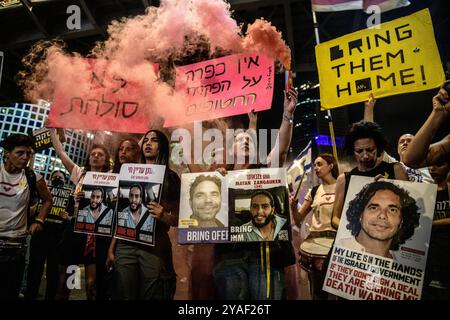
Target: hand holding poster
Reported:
[(60, 198), (95, 213), (224, 87), (203, 216), (399, 57), (258, 205), (140, 184), (381, 246)]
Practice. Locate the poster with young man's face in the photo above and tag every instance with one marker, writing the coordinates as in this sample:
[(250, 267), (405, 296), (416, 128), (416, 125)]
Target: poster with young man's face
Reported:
[(139, 185), (95, 211), (381, 246), (203, 216), (258, 205)]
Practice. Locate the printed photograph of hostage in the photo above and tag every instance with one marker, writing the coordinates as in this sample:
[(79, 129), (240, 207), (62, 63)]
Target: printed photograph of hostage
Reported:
[(381, 217), (203, 208), (96, 214), (135, 222), (267, 221)]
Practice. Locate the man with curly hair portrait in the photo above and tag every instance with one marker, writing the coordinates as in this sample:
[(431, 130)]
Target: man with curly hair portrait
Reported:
[(380, 218)]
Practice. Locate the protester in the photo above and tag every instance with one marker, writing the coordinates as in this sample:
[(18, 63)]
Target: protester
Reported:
[(437, 276), (420, 153), (140, 271), (79, 248), (239, 269), (320, 199), (44, 250), (19, 185)]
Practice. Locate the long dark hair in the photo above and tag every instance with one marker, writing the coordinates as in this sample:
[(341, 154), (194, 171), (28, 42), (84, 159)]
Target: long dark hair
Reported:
[(107, 166), (163, 148)]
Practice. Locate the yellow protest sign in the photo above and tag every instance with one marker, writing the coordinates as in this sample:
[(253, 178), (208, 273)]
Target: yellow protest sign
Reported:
[(399, 57)]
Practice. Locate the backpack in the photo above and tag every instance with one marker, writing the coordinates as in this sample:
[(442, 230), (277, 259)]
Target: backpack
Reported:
[(31, 180)]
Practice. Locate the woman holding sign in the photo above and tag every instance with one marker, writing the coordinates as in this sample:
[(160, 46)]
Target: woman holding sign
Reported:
[(141, 271), (79, 248)]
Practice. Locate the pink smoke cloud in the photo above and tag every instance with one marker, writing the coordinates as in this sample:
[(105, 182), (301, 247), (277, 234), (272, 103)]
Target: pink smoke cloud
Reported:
[(168, 34)]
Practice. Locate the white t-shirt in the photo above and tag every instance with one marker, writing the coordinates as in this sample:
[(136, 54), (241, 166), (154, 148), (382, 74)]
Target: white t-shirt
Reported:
[(322, 207), (14, 201), (414, 175)]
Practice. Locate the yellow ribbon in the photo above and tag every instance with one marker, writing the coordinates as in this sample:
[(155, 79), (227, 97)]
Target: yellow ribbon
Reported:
[(261, 251)]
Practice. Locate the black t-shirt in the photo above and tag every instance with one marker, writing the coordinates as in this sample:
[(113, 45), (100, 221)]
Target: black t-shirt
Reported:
[(438, 262), (384, 168)]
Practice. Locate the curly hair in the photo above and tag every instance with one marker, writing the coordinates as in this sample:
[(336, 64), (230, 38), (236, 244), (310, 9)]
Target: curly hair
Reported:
[(136, 149), (364, 130), (107, 166), (201, 178), (409, 211)]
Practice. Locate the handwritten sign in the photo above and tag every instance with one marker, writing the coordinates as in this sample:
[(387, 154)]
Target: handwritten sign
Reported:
[(112, 102), (224, 87), (399, 57)]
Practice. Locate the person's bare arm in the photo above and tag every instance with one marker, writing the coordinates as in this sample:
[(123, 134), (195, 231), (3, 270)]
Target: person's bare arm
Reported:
[(59, 149), (338, 201), (417, 154), (301, 213), (47, 204), (285, 132), (252, 120), (400, 172), (369, 106)]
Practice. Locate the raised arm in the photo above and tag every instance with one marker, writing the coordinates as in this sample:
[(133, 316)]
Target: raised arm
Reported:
[(59, 149), (285, 132), (400, 172), (418, 153), (338, 201), (369, 106), (253, 120)]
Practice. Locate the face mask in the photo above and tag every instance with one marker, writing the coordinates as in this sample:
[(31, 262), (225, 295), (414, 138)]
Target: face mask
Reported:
[(57, 183)]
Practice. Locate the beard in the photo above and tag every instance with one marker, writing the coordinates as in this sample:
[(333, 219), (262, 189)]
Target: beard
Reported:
[(269, 219)]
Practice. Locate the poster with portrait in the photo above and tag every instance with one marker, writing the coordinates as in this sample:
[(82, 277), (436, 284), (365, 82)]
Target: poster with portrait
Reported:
[(95, 211), (203, 216), (381, 247), (258, 205), (139, 185), (60, 197)]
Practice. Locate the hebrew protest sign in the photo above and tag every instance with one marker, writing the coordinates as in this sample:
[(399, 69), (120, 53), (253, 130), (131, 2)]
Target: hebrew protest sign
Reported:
[(95, 212), (399, 57), (381, 246), (224, 87), (139, 185), (111, 103)]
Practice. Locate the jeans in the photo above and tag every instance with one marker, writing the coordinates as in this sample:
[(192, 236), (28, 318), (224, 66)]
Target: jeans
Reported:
[(12, 265), (242, 278)]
